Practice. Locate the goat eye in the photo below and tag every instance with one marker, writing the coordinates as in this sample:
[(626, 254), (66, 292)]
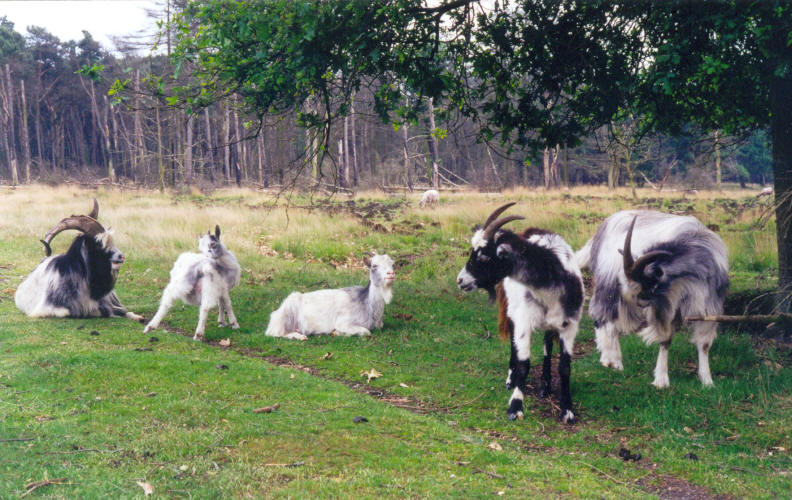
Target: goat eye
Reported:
[(483, 258)]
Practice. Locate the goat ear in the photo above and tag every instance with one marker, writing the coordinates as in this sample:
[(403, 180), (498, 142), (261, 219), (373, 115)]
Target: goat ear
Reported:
[(475, 228), (367, 261), (217, 231), (502, 249)]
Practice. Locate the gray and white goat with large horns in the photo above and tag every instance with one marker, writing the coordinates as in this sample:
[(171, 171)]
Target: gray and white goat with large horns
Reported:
[(651, 270), (542, 289), (78, 283), (347, 311), (202, 279)]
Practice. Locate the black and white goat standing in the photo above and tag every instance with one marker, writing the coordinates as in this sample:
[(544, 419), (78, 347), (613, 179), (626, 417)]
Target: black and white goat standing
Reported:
[(651, 270), (347, 311), (78, 283), (542, 288), (202, 279)]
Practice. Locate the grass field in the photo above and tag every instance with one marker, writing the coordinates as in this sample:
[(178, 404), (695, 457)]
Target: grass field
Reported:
[(89, 408)]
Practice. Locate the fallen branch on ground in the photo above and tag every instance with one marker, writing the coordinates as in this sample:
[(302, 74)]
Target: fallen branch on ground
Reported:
[(758, 318), (31, 487)]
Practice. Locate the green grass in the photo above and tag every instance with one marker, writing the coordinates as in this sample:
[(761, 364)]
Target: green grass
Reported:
[(104, 415)]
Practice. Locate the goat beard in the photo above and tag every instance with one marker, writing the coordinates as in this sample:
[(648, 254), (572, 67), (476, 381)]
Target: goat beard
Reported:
[(492, 294)]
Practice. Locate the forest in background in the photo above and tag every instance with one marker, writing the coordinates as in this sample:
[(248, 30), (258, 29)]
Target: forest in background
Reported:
[(74, 110)]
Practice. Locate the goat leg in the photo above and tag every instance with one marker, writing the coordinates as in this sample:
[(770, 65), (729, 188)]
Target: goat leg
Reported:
[(545, 389), (564, 369)]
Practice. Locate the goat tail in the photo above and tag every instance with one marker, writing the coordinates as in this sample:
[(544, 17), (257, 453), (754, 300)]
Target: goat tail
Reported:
[(583, 256), (505, 325), (284, 319)]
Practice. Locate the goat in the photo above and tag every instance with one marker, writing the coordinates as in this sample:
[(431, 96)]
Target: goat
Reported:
[(766, 191), (78, 283), (202, 279), (348, 311), (430, 197), (542, 288), (681, 270)]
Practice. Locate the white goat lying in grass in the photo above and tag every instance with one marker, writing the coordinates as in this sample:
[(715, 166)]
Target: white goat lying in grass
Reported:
[(347, 311), (202, 279)]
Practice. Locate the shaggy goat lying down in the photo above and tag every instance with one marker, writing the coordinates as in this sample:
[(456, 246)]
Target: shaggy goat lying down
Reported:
[(541, 288), (202, 279), (80, 282), (651, 270), (347, 311)]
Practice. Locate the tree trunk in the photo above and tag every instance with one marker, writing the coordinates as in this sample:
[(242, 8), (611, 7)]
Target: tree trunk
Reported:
[(346, 159), (9, 109), (494, 168), (210, 148), (108, 142), (546, 167), (433, 142), (226, 145), (25, 140), (140, 165), (406, 156), (160, 160), (341, 182), (355, 172), (717, 161), (188, 152), (781, 136)]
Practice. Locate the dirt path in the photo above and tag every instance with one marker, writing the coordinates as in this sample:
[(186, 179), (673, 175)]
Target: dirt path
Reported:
[(662, 485)]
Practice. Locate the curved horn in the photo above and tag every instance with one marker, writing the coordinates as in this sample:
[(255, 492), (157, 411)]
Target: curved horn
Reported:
[(94, 214), (83, 223), (494, 215), (494, 226), (646, 259), (629, 262)]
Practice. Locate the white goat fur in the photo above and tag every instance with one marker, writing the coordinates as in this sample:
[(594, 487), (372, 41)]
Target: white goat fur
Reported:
[(348, 311), (202, 279), (698, 290), (430, 197)]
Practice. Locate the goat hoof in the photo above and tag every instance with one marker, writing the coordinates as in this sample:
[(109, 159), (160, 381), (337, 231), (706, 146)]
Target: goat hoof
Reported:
[(515, 409), (198, 338), (568, 417), (235, 326)]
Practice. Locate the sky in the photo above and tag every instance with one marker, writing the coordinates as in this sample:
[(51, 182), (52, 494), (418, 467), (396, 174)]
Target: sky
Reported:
[(66, 19)]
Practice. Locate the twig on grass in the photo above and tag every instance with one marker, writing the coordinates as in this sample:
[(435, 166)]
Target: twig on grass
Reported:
[(16, 439), (31, 487), (293, 464), (611, 477), (79, 450), (460, 405), (476, 470)]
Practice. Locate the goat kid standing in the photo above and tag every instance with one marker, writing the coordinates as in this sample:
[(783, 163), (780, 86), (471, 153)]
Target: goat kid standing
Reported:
[(202, 279), (80, 282), (348, 311), (542, 288)]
